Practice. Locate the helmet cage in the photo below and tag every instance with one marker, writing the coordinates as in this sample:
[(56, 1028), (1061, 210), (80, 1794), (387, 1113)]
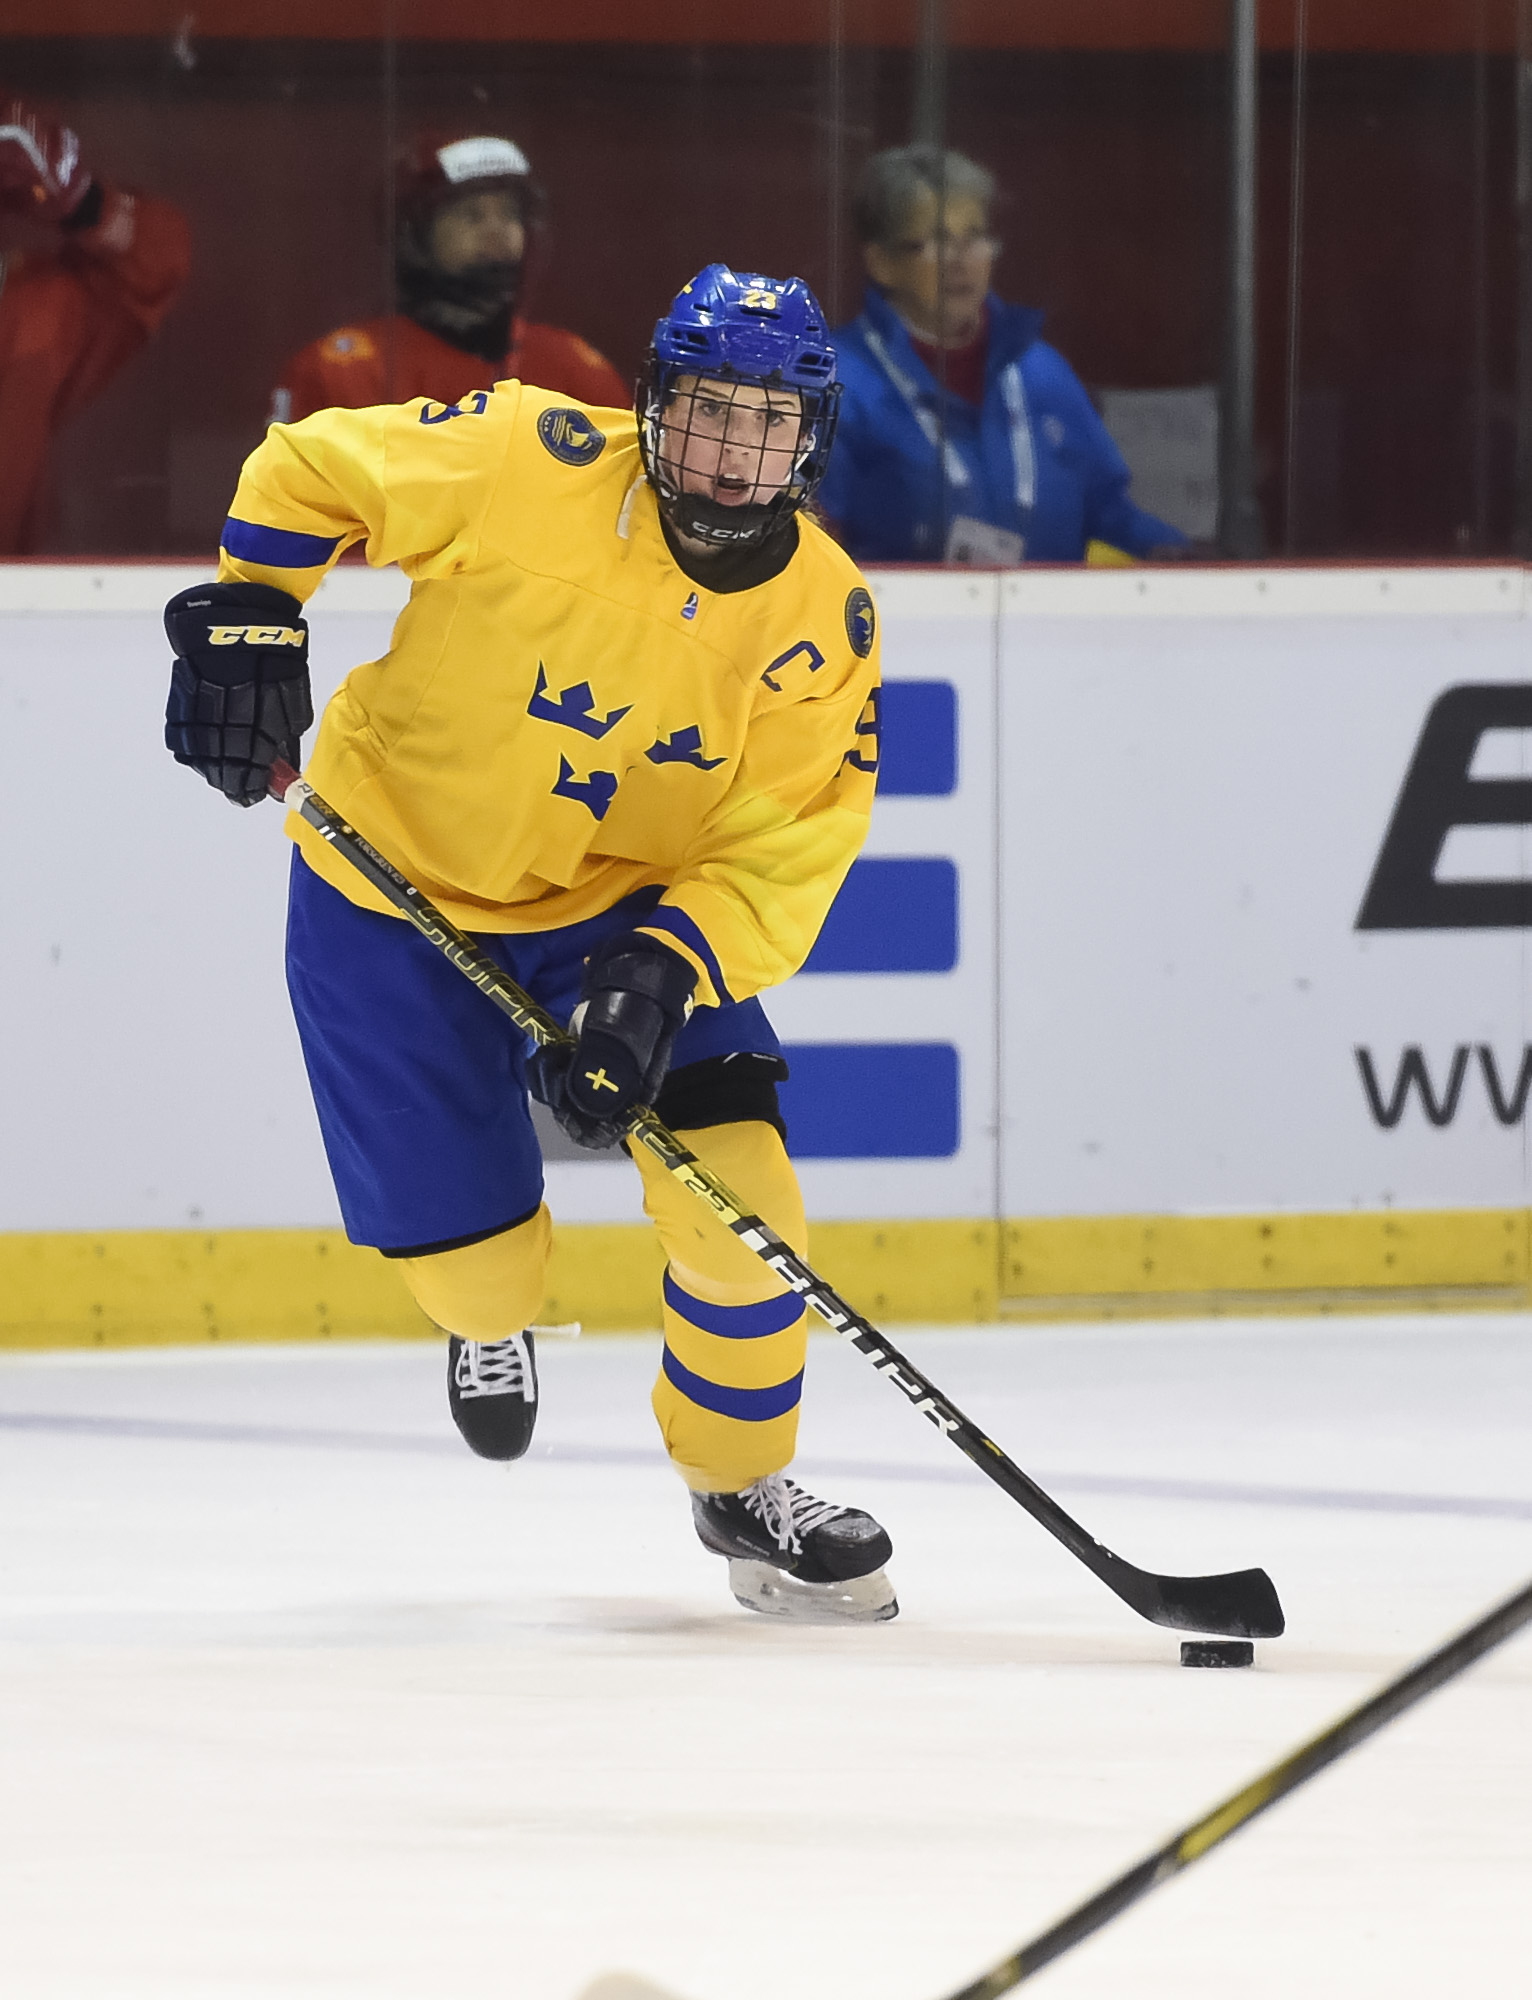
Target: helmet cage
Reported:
[(660, 432)]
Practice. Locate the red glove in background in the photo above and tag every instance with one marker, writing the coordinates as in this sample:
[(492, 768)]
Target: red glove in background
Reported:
[(42, 177)]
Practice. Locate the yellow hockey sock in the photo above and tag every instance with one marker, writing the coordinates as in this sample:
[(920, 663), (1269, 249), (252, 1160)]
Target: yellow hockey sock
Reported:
[(488, 1290), (732, 1371)]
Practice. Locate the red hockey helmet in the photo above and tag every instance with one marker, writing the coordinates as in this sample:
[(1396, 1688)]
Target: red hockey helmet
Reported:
[(437, 167)]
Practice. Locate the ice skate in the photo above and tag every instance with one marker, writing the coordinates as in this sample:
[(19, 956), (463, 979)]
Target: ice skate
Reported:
[(792, 1556), (492, 1393)]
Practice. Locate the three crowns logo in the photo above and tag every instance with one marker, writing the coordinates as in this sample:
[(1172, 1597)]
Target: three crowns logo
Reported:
[(574, 708)]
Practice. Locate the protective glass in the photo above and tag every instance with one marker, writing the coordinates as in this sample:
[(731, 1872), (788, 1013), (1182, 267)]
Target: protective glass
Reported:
[(234, 194)]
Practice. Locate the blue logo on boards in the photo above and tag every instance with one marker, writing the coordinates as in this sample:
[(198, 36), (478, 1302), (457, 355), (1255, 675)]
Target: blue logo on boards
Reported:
[(861, 622), (571, 436), (894, 913), (920, 739), (873, 1100)]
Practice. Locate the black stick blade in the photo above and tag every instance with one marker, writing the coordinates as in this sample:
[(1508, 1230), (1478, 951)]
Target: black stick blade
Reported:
[(1240, 1605)]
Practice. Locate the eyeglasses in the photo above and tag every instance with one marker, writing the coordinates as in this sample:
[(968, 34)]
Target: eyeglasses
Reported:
[(948, 245)]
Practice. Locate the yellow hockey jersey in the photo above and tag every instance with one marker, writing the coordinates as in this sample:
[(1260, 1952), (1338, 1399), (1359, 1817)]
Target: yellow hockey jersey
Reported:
[(564, 716)]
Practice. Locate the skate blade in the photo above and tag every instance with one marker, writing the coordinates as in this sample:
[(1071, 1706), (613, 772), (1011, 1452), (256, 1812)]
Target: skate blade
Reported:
[(863, 1599)]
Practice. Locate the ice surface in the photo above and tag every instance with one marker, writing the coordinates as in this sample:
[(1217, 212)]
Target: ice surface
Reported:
[(298, 1699)]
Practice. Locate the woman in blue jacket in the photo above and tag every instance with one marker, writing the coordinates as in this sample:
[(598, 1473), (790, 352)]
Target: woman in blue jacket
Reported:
[(962, 436)]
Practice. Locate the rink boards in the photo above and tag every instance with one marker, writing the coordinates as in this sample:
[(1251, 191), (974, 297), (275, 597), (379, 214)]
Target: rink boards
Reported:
[(1186, 962)]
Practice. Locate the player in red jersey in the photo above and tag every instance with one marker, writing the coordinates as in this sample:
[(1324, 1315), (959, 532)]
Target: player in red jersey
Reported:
[(87, 272), (467, 212)]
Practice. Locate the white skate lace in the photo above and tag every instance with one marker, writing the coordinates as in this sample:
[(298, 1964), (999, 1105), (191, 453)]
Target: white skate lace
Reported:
[(495, 1368), (786, 1511)]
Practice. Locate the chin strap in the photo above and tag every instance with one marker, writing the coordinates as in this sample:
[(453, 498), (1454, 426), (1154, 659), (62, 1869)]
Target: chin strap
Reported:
[(721, 527)]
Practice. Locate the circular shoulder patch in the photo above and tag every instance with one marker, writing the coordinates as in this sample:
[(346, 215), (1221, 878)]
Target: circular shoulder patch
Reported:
[(861, 622), (571, 436)]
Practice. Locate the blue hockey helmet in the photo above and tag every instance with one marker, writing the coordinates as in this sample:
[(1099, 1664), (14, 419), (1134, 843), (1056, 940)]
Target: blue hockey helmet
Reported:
[(736, 327)]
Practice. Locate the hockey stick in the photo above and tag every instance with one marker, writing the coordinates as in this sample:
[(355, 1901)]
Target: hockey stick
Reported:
[(1203, 1835), (1286, 1776), (1242, 1604)]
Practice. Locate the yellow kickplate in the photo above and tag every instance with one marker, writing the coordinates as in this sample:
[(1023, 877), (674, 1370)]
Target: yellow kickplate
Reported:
[(927, 1272), (127, 1288), (130, 1288), (1062, 1257)]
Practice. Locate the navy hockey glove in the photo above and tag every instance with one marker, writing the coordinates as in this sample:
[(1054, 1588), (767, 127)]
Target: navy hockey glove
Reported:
[(635, 999), (239, 689)]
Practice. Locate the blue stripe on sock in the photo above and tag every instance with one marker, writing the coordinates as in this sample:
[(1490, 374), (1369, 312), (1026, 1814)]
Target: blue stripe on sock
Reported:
[(751, 1406), (278, 548), (735, 1322)]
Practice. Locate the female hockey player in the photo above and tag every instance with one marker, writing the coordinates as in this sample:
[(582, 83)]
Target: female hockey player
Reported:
[(626, 734)]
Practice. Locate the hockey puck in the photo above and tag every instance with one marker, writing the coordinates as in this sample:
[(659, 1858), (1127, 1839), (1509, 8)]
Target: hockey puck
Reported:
[(1217, 1653)]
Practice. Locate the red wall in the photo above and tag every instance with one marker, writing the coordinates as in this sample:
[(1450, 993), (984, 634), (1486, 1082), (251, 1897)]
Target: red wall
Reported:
[(1413, 26), (660, 158)]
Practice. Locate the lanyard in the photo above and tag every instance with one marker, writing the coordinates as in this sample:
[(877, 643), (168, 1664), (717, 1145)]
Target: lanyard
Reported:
[(1023, 457), (957, 471), (1014, 395)]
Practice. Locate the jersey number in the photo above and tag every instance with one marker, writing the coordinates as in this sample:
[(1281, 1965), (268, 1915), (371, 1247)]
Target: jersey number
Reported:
[(869, 736), (470, 406)]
